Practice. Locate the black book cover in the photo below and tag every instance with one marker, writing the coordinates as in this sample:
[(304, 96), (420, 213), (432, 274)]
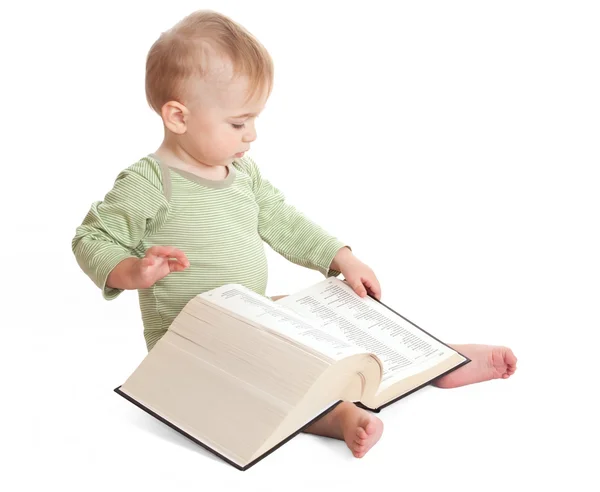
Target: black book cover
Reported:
[(208, 448)]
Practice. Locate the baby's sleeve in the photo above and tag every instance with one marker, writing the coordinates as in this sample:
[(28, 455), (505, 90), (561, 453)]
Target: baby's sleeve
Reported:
[(288, 231), (112, 228)]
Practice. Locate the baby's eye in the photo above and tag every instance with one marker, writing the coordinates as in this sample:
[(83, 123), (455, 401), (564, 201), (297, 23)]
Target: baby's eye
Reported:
[(238, 127)]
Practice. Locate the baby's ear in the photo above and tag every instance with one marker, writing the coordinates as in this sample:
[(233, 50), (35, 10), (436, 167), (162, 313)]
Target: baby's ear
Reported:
[(175, 116)]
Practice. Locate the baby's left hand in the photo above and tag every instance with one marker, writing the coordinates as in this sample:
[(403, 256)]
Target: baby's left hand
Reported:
[(358, 275)]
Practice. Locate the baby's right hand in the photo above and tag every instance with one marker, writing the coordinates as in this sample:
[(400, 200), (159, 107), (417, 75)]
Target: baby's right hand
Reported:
[(157, 263)]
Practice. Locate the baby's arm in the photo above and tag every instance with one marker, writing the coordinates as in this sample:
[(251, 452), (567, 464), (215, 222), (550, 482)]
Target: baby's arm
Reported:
[(288, 231), (105, 243), (305, 243)]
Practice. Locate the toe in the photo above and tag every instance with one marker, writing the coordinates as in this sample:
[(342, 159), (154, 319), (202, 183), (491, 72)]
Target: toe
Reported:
[(356, 450), (510, 357), (359, 452)]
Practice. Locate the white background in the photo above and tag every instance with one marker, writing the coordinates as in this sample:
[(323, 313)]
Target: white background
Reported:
[(454, 145)]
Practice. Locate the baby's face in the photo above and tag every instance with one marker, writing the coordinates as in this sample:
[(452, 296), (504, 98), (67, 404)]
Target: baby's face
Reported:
[(221, 126)]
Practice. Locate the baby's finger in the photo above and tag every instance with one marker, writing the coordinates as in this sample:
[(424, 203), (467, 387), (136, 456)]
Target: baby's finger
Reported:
[(179, 256), (373, 287), (165, 251), (154, 251), (358, 287), (182, 258), (168, 252), (176, 266)]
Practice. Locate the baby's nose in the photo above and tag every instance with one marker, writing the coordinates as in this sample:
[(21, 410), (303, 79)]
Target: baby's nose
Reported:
[(249, 136)]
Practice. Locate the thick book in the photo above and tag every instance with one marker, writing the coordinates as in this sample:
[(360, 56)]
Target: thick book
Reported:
[(241, 375)]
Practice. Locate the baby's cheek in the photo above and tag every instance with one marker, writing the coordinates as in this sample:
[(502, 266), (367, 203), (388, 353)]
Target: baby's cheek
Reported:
[(200, 145), (232, 142)]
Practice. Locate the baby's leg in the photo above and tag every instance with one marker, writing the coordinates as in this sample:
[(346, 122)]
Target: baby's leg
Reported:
[(357, 427), (488, 362)]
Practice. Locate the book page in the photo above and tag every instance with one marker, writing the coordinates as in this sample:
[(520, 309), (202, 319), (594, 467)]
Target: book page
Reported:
[(279, 319), (403, 348)]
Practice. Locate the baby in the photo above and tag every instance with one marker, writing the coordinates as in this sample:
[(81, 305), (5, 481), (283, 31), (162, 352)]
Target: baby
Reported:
[(193, 215)]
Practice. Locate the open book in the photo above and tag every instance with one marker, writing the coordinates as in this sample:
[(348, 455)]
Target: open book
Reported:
[(240, 374)]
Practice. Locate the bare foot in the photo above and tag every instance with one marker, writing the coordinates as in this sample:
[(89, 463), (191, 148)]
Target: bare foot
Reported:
[(357, 427), (361, 429), (487, 362)]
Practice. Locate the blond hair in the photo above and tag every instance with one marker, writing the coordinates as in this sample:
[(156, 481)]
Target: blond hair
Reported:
[(181, 53)]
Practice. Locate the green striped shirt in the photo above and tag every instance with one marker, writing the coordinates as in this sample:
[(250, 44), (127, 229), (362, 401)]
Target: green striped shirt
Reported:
[(219, 225)]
